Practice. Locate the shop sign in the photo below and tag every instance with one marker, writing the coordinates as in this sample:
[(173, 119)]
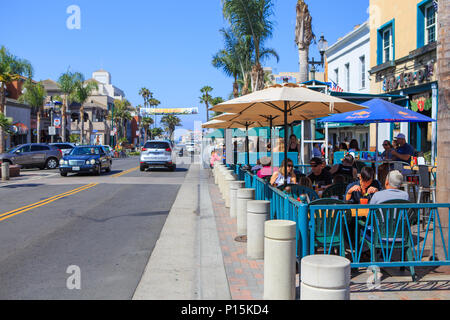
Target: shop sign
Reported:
[(421, 102), (408, 79)]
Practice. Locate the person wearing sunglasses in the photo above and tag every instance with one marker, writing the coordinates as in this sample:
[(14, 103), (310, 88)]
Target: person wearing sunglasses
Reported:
[(319, 176), (277, 178), (365, 187), (387, 153)]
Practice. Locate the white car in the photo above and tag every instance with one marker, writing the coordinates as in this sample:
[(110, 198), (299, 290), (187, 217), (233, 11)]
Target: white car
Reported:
[(158, 154)]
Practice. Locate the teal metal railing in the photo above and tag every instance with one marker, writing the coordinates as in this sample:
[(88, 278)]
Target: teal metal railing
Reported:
[(385, 235)]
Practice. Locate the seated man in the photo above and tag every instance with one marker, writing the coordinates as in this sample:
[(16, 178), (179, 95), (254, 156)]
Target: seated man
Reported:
[(318, 175), (404, 151), (393, 182), (365, 187)]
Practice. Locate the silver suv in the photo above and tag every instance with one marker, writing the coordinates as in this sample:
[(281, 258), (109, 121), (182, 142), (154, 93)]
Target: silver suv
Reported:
[(158, 154), (33, 155)]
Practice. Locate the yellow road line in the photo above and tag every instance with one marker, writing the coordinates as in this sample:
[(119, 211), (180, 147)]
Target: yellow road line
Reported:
[(12, 213), (125, 172)]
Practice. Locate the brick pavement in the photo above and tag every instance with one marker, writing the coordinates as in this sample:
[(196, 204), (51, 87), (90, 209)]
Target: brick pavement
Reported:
[(246, 277)]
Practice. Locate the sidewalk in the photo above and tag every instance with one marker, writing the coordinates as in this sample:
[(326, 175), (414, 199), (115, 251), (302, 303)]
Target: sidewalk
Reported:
[(197, 257), (27, 176)]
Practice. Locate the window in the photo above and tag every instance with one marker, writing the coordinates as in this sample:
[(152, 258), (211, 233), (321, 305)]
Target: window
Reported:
[(362, 68), (35, 148), (387, 45), (157, 145), (430, 24), (347, 76), (336, 76), (386, 42)]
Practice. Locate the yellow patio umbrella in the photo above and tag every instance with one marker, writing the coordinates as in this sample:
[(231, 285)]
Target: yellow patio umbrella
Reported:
[(286, 102)]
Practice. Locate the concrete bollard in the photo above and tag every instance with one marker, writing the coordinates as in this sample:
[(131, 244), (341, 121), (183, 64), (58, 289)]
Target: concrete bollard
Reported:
[(217, 165), (221, 177), (234, 186), (243, 196), (5, 171), (257, 214), (325, 277), (228, 179), (279, 260)]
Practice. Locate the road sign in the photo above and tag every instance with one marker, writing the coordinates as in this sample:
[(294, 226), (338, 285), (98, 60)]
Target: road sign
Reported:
[(51, 131)]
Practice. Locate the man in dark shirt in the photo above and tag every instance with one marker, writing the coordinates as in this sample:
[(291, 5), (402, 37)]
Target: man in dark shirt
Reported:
[(404, 151), (318, 175)]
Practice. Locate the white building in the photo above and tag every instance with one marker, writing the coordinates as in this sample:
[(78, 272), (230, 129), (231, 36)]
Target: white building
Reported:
[(105, 88), (349, 60), (348, 64)]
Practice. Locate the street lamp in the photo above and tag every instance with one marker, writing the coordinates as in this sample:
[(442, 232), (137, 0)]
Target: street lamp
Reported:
[(322, 45)]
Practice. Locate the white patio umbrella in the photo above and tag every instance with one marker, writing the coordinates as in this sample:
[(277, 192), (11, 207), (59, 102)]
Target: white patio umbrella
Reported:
[(286, 102)]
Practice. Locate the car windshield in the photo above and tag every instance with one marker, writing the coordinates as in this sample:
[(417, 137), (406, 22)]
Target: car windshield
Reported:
[(85, 151), (156, 145)]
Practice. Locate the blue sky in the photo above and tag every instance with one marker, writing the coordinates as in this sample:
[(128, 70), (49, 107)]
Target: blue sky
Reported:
[(166, 46)]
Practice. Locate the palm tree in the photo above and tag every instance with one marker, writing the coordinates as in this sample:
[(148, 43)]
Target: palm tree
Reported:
[(11, 69), (5, 123), (35, 95), (146, 123), (122, 114), (83, 90), (170, 122), (206, 99), (252, 18), (68, 84), (303, 37)]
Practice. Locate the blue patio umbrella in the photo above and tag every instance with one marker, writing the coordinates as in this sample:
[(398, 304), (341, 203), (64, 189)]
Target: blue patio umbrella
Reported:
[(378, 111)]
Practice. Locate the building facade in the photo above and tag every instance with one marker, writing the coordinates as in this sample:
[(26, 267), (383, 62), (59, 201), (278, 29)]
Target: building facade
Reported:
[(348, 62), (403, 62)]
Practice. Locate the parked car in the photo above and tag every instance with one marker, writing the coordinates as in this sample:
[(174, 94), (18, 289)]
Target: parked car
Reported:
[(87, 159), (158, 154), (33, 155), (65, 147)]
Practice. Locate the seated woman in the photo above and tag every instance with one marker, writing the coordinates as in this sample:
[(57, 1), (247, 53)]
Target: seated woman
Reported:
[(277, 178), (346, 168), (266, 169), (365, 187)]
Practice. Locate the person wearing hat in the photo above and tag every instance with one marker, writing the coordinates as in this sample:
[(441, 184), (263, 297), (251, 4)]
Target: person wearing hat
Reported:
[(266, 169), (404, 151)]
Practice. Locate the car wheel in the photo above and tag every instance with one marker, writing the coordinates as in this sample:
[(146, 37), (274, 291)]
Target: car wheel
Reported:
[(173, 168), (98, 171), (63, 174), (109, 168), (51, 163), (142, 168)]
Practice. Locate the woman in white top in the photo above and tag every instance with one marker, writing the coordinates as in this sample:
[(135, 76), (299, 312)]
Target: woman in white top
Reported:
[(277, 178)]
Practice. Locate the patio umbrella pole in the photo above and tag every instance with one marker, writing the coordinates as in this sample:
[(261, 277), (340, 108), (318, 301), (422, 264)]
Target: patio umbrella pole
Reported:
[(285, 143), (271, 144), (246, 144)]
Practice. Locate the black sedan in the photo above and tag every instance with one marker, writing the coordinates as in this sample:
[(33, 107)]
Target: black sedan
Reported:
[(85, 159)]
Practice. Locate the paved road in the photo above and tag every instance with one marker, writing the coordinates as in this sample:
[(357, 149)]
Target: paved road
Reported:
[(105, 226)]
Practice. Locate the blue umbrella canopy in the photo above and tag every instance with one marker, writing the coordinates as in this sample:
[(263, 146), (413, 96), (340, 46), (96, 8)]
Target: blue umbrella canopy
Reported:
[(378, 110)]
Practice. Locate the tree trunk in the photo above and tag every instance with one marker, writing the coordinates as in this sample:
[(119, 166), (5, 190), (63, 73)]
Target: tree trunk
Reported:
[(443, 116), (245, 86), (235, 88), (257, 75), (303, 64), (38, 125), (2, 110), (82, 124)]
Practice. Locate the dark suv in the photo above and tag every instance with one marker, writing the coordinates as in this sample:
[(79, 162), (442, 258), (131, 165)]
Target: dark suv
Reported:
[(33, 155)]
